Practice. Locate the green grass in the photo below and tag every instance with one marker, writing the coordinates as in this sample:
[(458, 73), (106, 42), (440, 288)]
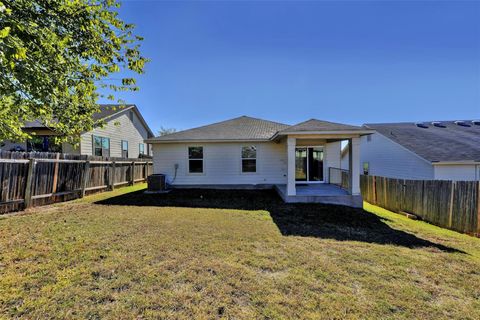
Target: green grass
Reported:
[(219, 254)]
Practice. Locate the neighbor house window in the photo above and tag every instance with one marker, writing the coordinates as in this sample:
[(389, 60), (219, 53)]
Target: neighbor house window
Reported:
[(249, 159), (366, 168), (195, 159), (101, 146), (141, 148), (124, 149)]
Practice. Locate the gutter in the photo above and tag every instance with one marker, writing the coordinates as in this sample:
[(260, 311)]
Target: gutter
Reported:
[(459, 162)]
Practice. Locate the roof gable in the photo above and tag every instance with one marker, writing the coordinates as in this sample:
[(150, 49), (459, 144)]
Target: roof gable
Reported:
[(314, 125), (435, 144)]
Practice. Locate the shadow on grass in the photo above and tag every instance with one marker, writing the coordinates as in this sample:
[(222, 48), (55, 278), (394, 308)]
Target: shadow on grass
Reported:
[(309, 220)]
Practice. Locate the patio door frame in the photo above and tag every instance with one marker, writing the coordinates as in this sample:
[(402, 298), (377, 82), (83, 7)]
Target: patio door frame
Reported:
[(308, 165)]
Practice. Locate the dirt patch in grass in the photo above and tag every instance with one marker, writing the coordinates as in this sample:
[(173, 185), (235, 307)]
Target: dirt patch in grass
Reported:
[(226, 254)]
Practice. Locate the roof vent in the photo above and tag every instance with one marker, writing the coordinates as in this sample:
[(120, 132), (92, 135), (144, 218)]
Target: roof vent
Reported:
[(421, 125), (476, 122), (438, 124), (462, 123)]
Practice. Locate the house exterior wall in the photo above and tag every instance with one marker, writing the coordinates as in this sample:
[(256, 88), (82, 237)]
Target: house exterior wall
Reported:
[(458, 172), (118, 128), (222, 163), (331, 158), (389, 159), (344, 163)]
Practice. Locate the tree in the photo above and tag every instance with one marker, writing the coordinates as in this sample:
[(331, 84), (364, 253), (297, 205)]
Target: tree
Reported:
[(164, 131), (55, 55)]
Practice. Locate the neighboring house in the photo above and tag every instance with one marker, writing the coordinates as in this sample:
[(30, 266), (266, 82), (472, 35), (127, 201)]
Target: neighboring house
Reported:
[(439, 150), (122, 135), (250, 152)]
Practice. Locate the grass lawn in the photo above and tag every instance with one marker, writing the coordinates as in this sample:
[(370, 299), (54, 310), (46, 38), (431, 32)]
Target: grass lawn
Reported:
[(208, 254)]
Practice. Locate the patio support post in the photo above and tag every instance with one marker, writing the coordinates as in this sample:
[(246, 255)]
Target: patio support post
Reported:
[(354, 164), (291, 190)]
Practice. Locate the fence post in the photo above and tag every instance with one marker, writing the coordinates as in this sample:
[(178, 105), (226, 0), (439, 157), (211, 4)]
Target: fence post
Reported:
[(111, 180), (55, 173), (132, 174), (28, 187), (450, 208), (86, 176), (478, 209)]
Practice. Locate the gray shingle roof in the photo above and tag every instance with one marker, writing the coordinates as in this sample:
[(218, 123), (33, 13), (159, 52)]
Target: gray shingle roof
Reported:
[(452, 143), (241, 128), (106, 111), (320, 125)]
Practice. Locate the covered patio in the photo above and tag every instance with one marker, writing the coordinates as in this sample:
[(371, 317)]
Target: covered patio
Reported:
[(314, 172)]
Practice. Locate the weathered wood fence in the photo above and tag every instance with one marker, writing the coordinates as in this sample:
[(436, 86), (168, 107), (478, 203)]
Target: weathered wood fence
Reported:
[(34, 179), (450, 204)]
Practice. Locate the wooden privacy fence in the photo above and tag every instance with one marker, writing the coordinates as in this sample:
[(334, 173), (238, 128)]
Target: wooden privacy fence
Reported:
[(34, 179), (450, 204)]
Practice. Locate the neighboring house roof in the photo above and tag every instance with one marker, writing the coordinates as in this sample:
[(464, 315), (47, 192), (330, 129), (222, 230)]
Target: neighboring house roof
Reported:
[(444, 143), (314, 125), (106, 111), (251, 129), (238, 129)]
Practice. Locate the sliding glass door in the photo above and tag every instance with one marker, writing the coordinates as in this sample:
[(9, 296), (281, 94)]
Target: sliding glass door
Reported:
[(309, 164)]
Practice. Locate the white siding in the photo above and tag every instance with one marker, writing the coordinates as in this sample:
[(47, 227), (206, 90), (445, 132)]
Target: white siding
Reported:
[(331, 158), (117, 129), (222, 163), (389, 159), (457, 172), (344, 161)]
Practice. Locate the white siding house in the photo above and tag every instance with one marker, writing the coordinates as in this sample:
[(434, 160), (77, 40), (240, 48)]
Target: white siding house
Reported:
[(387, 158), (124, 126), (253, 153), (446, 150), (122, 134)]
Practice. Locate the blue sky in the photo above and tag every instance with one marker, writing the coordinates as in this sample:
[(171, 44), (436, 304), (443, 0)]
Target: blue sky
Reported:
[(345, 61)]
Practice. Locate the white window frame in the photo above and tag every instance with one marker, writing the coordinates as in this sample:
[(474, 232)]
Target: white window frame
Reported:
[(101, 142), (121, 148), (242, 158), (203, 160)]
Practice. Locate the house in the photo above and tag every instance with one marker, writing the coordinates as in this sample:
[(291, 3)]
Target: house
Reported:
[(122, 135), (436, 150), (301, 161)]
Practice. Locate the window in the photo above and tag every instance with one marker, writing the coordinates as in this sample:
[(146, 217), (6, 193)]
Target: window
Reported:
[(195, 159), (101, 146), (141, 148), (369, 138), (124, 149), (131, 115), (249, 159), (366, 168)]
